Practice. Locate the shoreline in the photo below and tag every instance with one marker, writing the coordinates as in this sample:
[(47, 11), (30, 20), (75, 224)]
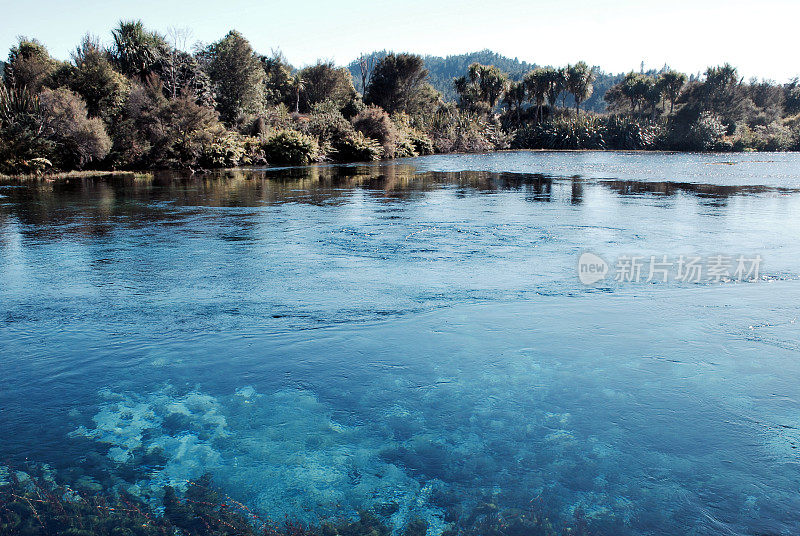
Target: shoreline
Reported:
[(144, 173)]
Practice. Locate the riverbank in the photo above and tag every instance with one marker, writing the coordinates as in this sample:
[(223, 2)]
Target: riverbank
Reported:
[(543, 163), (66, 175)]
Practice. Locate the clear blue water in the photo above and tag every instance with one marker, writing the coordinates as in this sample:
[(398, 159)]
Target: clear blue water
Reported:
[(330, 338)]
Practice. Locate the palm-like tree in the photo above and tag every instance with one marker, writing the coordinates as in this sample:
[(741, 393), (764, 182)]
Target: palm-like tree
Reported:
[(298, 85), (579, 82), (136, 51), (671, 83), (556, 84), (490, 82), (537, 83), (515, 97)]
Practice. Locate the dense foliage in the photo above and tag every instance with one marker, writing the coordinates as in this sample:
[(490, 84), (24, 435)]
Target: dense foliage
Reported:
[(143, 102)]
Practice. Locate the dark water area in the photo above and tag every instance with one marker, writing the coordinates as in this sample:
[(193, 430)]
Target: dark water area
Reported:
[(415, 334)]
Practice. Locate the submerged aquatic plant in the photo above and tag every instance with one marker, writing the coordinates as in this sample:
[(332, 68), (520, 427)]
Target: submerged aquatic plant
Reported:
[(37, 506), (34, 504)]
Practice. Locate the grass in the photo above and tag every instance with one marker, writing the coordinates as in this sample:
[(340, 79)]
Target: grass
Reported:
[(66, 175)]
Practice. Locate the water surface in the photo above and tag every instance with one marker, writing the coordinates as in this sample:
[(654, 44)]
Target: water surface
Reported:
[(412, 337)]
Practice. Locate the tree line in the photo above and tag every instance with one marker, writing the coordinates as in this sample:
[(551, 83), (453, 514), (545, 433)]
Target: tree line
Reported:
[(143, 101)]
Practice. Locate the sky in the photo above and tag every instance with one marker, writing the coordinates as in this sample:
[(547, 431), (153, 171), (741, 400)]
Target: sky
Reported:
[(757, 37)]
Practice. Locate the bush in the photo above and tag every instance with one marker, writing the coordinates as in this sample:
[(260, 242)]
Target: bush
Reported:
[(412, 142), (290, 147), (375, 123), (78, 139), (405, 148), (454, 130), (623, 132), (273, 118), (773, 137), (706, 134), (227, 150), (423, 145), (585, 132), (22, 147), (327, 124), (356, 147), (153, 131)]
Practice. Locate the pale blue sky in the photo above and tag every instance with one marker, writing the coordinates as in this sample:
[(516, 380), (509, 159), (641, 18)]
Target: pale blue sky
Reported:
[(759, 38)]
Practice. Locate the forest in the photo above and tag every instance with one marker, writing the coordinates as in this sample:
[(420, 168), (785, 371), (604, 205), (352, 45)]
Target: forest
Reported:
[(143, 102)]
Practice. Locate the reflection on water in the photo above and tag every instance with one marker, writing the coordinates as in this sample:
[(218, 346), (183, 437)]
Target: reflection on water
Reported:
[(409, 340)]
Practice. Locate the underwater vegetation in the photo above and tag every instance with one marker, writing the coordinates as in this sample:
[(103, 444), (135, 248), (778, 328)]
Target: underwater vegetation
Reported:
[(34, 504), (283, 454), (287, 455)]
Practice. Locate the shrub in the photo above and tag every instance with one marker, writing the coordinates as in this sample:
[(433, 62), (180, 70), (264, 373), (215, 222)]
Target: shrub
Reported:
[(269, 120), (706, 134), (413, 142), (743, 138), (291, 147), (454, 130), (375, 123), (78, 139), (327, 124), (356, 147), (495, 134), (405, 148), (773, 137), (153, 131), (585, 132), (21, 142), (623, 132), (422, 143), (226, 150)]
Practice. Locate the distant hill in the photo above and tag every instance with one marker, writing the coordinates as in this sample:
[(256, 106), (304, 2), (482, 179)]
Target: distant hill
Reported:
[(444, 70)]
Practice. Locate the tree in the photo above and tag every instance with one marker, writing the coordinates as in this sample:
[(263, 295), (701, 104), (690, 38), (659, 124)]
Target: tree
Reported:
[(482, 87), (637, 90), (154, 130), (180, 71), (721, 93), (324, 81), (632, 88), (183, 75), (672, 83), (515, 97), (299, 85), (399, 83), (237, 76), (792, 96), (277, 79), (556, 84), (29, 65), (652, 94), (537, 84), (137, 52), (720, 86), (366, 64), (94, 78), (769, 97), (186, 126), (579, 82)]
